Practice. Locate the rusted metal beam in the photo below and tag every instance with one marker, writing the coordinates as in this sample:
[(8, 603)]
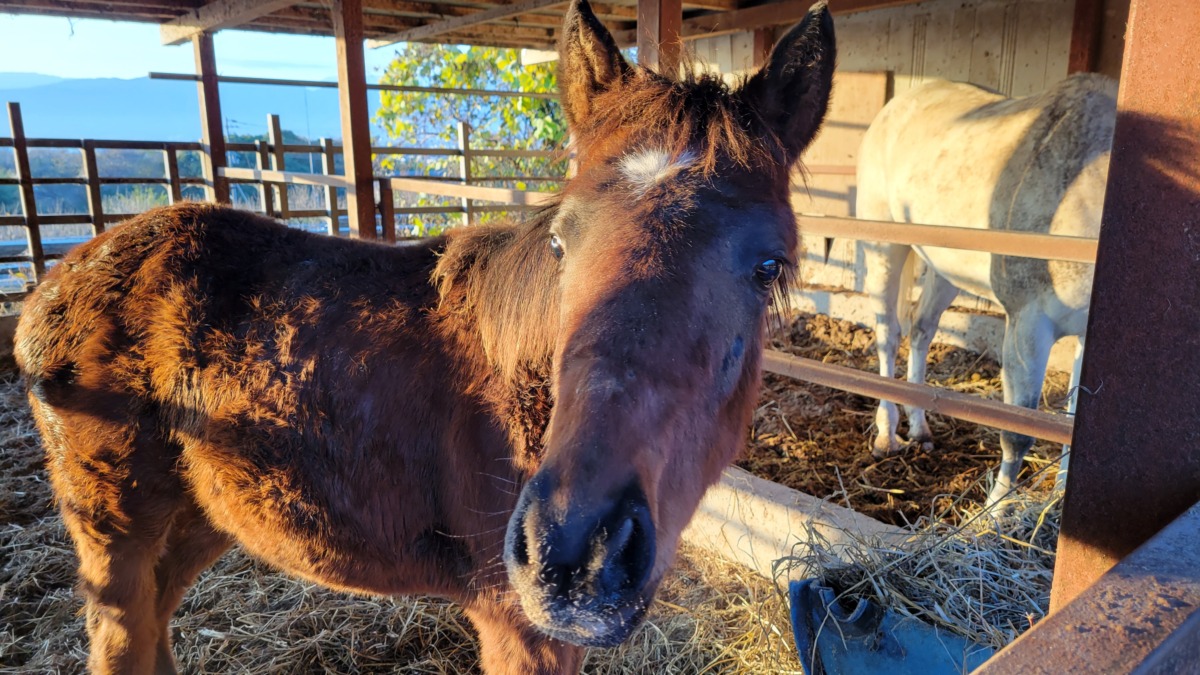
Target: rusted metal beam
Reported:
[(966, 407), (356, 129), (1135, 464), (1085, 36), (658, 34), (215, 16), (1142, 616)]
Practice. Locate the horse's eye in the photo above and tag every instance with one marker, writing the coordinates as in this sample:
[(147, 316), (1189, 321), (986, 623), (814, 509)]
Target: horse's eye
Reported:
[(767, 272), (556, 246)]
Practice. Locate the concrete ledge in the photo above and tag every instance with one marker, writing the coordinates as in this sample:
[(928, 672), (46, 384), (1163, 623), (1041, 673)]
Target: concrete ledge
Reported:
[(755, 522), (1143, 616)]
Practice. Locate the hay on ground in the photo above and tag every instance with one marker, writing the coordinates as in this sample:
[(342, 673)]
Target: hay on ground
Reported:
[(984, 575), (712, 616)]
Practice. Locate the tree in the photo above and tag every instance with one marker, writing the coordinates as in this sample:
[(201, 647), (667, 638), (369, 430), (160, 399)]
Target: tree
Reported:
[(501, 122)]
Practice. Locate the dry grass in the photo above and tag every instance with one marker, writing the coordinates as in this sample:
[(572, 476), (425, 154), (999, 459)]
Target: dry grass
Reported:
[(818, 440), (984, 575), (712, 616)]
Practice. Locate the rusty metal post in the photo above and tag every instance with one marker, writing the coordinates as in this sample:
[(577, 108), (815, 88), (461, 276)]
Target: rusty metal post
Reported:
[(1136, 450)]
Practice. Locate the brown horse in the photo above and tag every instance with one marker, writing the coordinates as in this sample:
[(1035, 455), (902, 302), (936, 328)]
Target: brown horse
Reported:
[(521, 419)]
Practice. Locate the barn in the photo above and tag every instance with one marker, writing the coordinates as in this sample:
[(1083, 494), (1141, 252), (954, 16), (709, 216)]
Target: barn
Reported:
[(1126, 588)]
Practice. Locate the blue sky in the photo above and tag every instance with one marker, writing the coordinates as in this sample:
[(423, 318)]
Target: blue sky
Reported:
[(87, 48)]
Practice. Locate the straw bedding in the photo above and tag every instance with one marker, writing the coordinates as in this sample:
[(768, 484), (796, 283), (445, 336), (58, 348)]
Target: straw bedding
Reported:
[(818, 440), (984, 576), (712, 616)]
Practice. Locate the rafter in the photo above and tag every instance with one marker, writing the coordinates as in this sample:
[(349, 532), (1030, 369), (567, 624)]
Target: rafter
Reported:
[(216, 15), (761, 16), (459, 22)]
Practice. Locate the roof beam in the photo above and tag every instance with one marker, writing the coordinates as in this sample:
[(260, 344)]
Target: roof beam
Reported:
[(459, 22), (762, 16), (216, 15)]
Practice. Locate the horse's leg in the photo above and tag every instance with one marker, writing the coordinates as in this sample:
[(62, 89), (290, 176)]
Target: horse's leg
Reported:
[(885, 269), (509, 645), (192, 546), (935, 299), (117, 492), (1028, 337)]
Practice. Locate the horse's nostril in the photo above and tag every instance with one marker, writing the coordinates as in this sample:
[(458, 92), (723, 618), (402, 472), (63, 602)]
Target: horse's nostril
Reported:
[(620, 538), (635, 555), (520, 546)]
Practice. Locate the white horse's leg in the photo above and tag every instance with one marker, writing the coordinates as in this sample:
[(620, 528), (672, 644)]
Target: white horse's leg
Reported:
[(1028, 337), (885, 267), (1060, 481), (936, 296)]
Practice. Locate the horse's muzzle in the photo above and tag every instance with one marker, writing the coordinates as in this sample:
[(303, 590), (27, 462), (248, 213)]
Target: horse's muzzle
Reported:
[(582, 574)]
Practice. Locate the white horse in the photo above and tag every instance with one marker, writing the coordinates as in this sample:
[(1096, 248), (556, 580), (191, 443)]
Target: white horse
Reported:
[(955, 154)]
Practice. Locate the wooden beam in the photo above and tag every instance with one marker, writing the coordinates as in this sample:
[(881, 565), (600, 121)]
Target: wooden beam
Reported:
[(658, 35), (1134, 460), (762, 16), (212, 136), (1085, 36), (458, 22), (25, 189), (356, 128), (216, 15)]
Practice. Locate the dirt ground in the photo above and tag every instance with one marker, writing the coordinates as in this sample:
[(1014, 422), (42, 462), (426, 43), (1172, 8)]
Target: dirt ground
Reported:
[(818, 440)]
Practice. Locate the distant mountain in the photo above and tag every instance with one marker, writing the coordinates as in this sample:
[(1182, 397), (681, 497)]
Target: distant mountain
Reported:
[(160, 110), (24, 80)]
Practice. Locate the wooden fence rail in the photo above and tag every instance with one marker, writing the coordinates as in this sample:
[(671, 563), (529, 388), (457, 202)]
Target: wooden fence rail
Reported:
[(273, 181)]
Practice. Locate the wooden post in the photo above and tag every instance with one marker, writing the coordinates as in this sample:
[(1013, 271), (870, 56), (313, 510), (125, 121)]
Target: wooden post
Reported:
[(464, 167), (356, 129), (266, 192), (212, 137), (94, 197), (658, 43), (33, 232), (1135, 465), (328, 166), (171, 166), (275, 138), (387, 210)]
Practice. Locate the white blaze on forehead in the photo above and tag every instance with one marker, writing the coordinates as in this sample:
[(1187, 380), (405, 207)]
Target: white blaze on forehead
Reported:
[(646, 168)]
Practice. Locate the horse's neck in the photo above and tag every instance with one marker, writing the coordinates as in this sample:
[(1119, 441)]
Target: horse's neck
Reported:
[(499, 290)]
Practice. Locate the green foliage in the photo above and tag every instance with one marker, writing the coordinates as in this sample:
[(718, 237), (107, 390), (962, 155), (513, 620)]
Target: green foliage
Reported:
[(427, 119), (413, 119)]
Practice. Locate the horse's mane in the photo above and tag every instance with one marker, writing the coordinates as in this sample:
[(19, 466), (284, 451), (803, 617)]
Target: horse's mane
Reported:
[(501, 279), (697, 113)]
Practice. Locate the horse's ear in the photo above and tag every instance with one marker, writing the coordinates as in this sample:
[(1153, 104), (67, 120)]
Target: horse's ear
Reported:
[(589, 62), (791, 92)]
